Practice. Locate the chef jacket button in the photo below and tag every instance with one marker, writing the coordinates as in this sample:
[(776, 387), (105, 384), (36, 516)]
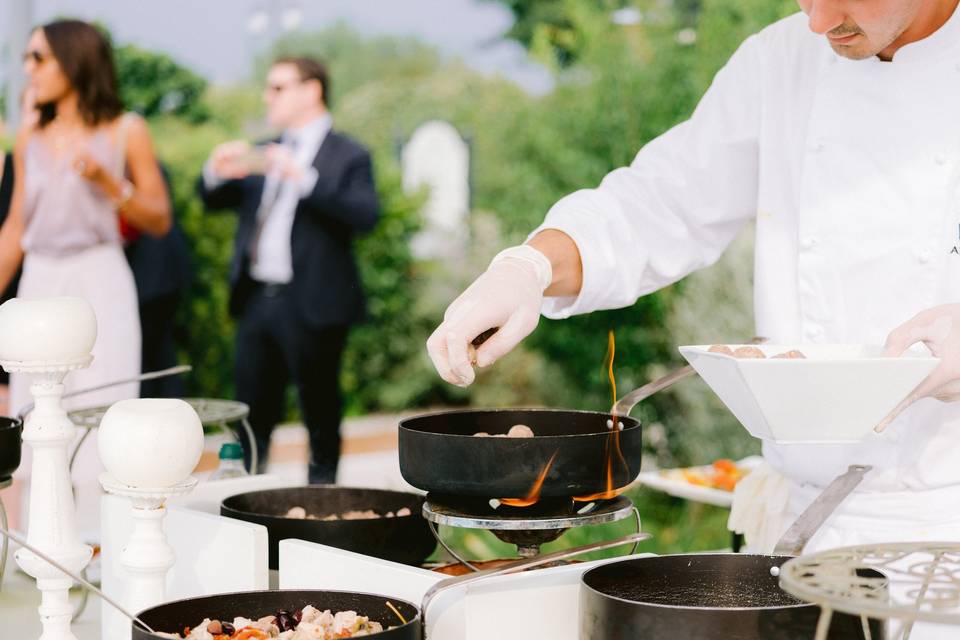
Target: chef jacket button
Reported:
[(924, 256), (814, 331), (940, 159), (819, 146), (808, 242)]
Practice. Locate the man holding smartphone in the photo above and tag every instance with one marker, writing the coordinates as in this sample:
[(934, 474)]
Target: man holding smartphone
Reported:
[(295, 288)]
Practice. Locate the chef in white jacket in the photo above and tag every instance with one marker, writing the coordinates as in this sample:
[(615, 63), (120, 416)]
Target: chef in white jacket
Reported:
[(838, 130)]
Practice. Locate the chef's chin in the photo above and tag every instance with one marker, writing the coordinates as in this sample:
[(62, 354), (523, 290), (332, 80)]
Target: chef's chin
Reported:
[(852, 52)]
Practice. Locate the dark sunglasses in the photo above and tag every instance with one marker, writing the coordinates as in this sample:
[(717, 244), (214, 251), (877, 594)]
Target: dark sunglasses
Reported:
[(280, 88), (35, 55)]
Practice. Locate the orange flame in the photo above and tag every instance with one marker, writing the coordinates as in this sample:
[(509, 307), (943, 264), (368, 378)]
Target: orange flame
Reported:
[(612, 445), (534, 495)]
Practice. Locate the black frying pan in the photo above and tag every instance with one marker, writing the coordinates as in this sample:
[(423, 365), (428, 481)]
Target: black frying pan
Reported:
[(439, 453), (172, 617), (710, 595), (10, 444), (701, 597), (405, 539)]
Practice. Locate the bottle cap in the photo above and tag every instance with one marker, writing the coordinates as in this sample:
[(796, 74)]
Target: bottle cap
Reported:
[(231, 451)]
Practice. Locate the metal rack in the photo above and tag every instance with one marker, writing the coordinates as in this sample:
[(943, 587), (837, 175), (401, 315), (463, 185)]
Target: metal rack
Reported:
[(905, 583)]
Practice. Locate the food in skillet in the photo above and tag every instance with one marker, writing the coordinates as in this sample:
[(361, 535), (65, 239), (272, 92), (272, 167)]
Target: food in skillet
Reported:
[(748, 352), (516, 431), (299, 513), (308, 623)]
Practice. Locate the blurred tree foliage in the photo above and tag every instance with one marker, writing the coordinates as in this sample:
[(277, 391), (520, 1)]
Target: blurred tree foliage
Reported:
[(153, 84), (617, 87)]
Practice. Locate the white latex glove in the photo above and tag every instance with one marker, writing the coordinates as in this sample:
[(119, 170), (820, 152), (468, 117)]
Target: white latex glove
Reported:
[(507, 296), (939, 329)]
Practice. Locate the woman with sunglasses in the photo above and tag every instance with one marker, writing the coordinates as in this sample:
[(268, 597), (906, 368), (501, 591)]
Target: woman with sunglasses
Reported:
[(82, 169)]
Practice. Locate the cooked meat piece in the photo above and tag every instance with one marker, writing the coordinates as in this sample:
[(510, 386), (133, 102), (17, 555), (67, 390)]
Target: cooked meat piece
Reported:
[(721, 348), (793, 354), (297, 512), (481, 434), (403, 511), (520, 431), (748, 352)]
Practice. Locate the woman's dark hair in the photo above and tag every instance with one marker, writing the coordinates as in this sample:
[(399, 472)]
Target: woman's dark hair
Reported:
[(310, 69), (86, 58)]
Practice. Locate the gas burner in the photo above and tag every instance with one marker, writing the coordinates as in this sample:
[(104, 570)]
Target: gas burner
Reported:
[(526, 527)]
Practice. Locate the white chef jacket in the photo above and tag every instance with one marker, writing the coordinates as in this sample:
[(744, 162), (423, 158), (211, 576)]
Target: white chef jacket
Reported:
[(852, 172)]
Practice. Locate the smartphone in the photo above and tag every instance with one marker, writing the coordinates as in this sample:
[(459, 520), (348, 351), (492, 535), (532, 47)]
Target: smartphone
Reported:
[(254, 160)]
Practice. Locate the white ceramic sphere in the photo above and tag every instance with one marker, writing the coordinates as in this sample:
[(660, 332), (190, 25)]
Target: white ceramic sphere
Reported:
[(46, 329), (150, 443)]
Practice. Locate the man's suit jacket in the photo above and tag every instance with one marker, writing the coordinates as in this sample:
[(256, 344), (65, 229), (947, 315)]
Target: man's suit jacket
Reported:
[(344, 202)]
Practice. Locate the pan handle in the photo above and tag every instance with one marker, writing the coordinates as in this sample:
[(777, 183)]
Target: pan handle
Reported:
[(813, 517), (151, 375), (521, 565), (625, 405)]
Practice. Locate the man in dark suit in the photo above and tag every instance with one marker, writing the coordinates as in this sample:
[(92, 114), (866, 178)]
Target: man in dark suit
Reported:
[(295, 287)]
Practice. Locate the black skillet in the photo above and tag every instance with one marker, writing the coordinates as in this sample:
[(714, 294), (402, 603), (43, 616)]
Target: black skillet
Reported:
[(440, 453), (405, 539), (701, 596), (10, 445), (173, 617)]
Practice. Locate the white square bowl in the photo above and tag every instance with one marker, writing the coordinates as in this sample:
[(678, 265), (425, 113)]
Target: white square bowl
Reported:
[(837, 394)]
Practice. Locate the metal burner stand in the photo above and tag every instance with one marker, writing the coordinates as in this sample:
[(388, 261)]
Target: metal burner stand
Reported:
[(908, 582), (528, 532)]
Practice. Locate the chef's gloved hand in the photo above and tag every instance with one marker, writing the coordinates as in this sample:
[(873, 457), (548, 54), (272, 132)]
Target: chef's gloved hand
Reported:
[(939, 329), (507, 297)]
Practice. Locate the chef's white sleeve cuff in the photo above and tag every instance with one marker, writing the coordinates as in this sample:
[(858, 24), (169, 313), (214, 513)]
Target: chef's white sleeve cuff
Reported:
[(605, 282)]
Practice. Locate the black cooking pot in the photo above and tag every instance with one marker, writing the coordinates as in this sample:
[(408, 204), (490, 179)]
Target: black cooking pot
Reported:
[(404, 539), (701, 597), (716, 595), (172, 617), (440, 453), (10, 445)]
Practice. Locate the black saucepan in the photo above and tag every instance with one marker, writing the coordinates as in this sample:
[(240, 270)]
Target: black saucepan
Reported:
[(700, 597), (405, 539), (172, 617), (10, 445), (706, 596), (439, 452)]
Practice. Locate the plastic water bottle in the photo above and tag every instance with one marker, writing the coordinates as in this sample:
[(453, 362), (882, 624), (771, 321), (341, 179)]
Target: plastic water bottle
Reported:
[(231, 462)]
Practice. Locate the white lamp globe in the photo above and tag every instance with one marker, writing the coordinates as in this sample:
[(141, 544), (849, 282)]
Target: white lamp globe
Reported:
[(51, 330), (150, 443)]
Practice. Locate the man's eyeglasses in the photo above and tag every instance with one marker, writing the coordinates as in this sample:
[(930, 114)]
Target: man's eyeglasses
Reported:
[(36, 55), (280, 88)]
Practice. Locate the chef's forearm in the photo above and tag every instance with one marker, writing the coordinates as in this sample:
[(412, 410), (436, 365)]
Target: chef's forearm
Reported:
[(564, 257)]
